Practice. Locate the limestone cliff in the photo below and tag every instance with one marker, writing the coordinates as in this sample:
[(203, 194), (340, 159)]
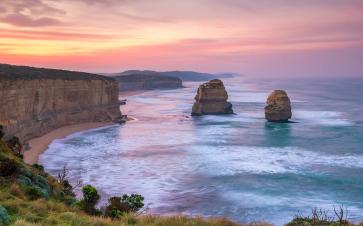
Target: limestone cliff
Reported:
[(278, 107), (34, 101), (212, 98)]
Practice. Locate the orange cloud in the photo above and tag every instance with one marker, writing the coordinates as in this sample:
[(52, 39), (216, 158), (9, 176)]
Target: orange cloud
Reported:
[(111, 35)]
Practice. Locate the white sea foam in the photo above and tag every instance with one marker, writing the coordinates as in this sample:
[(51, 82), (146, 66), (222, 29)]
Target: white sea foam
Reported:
[(325, 118), (231, 160)]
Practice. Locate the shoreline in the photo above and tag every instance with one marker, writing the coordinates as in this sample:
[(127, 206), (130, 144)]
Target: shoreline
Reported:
[(39, 144)]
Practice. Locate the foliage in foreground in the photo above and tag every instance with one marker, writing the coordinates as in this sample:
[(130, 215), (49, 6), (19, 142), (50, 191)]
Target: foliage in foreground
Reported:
[(31, 197), (320, 217)]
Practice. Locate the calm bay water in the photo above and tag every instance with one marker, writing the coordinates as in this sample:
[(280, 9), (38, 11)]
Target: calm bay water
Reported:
[(238, 166)]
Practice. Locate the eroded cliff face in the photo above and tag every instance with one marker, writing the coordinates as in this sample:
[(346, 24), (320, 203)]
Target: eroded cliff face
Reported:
[(278, 107), (35, 101)]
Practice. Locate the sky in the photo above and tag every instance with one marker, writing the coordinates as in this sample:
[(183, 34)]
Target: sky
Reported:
[(266, 38)]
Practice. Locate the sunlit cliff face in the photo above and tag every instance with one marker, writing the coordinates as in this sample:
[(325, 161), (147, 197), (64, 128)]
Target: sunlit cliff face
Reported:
[(263, 38)]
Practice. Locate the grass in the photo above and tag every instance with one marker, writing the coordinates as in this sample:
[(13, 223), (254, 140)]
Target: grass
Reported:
[(26, 209)]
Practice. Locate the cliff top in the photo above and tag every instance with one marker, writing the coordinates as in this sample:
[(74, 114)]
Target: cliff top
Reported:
[(213, 84), (14, 72), (183, 75)]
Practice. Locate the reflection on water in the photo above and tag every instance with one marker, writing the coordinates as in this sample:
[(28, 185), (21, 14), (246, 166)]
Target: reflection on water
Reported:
[(277, 134), (239, 166)]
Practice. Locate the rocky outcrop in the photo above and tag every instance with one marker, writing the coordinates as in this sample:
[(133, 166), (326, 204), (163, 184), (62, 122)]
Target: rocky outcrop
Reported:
[(278, 107), (211, 98), (35, 101), (147, 82)]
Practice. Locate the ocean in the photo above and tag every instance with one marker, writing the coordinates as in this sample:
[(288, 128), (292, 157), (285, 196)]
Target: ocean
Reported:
[(237, 166)]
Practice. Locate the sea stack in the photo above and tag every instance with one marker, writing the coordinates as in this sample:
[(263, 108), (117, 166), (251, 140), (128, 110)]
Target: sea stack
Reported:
[(278, 107), (211, 99)]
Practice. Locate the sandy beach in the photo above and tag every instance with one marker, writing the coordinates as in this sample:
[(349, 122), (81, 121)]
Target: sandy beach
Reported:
[(40, 144)]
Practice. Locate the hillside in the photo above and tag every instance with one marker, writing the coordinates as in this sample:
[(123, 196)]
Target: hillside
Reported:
[(150, 81), (183, 75)]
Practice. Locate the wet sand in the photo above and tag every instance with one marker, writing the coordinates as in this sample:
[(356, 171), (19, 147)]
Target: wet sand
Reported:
[(40, 144)]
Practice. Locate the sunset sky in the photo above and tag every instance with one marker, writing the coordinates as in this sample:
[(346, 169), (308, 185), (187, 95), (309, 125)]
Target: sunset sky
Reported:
[(257, 38)]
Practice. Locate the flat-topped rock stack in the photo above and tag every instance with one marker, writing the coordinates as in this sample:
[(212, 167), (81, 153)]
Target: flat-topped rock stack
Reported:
[(211, 99), (278, 107)]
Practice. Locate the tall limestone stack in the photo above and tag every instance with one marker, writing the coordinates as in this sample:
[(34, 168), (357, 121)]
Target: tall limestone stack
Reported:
[(278, 107), (211, 99)]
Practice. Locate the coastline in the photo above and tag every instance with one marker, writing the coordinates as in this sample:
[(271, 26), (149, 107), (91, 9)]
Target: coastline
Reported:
[(39, 144)]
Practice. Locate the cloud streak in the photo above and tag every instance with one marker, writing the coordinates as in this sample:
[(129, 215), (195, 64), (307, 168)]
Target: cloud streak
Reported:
[(27, 21), (193, 34)]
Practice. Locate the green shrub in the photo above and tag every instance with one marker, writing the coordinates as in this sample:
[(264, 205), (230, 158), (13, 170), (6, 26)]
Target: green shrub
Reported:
[(90, 199), (36, 186), (90, 194), (118, 206), (68, 189), (321, 217), (135, 201), (33, 192), (15, 145), (4, 216), (42, 183), (8, 167), (2, 133), (24, 180), (38, 167)]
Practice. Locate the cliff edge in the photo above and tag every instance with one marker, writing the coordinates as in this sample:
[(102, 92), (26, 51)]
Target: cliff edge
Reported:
[(35, 101)]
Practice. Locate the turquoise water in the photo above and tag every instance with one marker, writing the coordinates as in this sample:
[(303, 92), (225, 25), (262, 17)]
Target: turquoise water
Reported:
[(238, 166)]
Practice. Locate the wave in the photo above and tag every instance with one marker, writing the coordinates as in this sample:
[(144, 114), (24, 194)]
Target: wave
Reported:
[(325, 118), (233, 160)]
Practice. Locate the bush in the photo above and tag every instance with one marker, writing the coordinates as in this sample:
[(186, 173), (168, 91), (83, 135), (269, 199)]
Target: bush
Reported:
[(320, 217), (118, 206), (8, 168), (36, 186), (90, 194), (38, 167), (68, 189), (90, 199), (33, 192), (15, 145), (42, 183), (135, 201), (1, 132), (4, 216)]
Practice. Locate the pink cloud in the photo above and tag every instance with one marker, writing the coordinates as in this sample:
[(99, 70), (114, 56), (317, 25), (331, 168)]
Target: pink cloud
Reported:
[(27, 21)]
